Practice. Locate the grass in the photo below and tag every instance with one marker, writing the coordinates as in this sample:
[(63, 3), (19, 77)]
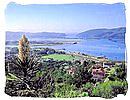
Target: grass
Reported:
[(59, 57)]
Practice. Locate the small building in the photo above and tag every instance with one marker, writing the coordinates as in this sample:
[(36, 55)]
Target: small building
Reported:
[(108, 64), (102, 58), (98, 64), (71, 70), (98, 74), (118, 63)]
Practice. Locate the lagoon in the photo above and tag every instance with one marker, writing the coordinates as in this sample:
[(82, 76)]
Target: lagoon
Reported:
[(113, 50), (97, 47)]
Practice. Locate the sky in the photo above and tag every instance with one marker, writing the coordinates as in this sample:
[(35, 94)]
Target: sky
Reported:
[(63, 18)]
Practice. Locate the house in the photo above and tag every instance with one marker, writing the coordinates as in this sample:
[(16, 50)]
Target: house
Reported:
[(102, 58), (108, 64), (71, 70), (98, 74), (118, 63), (98, 64)]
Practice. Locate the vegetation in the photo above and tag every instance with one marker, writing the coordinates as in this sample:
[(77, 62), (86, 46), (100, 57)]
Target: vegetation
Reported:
[(62, 76), (82, 76), (118, 73), (66, 91), (110, 89)]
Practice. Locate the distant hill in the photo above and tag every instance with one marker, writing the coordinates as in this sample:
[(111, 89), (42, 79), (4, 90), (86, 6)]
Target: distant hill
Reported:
[(115, 33), (17, 35)]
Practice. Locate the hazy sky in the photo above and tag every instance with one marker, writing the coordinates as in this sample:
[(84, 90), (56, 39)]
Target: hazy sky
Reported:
[(65, 18)]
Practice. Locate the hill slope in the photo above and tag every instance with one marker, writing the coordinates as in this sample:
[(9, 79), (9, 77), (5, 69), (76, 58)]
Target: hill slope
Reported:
[(115, 33)]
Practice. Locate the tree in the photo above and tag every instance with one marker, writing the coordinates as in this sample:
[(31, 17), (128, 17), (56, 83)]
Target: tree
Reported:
[(82, 76), (119, 73)]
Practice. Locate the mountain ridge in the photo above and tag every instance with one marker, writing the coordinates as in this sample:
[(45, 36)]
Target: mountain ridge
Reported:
[(16, 35), (102, 33), (114, 33)]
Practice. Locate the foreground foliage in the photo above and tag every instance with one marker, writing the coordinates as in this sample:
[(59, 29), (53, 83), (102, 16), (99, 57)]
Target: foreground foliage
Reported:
[(30, 76), (110, 89)]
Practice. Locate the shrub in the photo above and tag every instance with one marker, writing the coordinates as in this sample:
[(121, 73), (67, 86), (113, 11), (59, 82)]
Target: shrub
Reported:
[(63, 90), (110, 89), (60, 76), (88, 87)]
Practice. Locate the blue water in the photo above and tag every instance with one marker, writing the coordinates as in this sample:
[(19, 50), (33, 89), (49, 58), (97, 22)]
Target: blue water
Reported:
[(95, 47)]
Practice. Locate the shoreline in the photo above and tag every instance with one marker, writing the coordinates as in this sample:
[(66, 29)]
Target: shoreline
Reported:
[(14, 49)]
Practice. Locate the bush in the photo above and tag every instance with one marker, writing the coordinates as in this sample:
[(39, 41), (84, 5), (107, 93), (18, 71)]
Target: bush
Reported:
[(63, 90), (110, 89), (88, 87)]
